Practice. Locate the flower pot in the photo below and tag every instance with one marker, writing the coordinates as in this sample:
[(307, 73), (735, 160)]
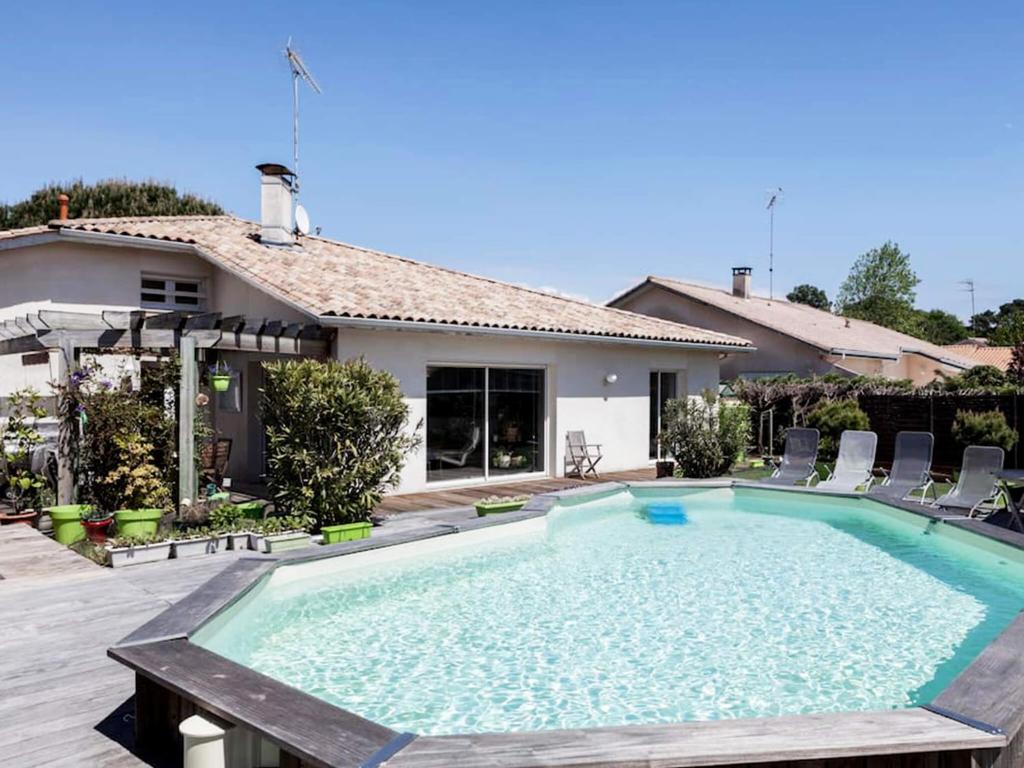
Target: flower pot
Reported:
[(282, 542), (137, 522), (664, 469), (333, 534), (147, 553), (221, 382), (96, 530), (236, 541), (483, 509), (253, 510), (29, 517), (194, 547), (67, 522)]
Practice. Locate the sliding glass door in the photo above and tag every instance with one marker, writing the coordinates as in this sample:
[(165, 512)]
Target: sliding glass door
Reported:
[(663, 389), (484, 422)]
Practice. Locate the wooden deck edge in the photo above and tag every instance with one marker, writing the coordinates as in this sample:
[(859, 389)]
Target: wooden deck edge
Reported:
[(748, 741), (318, 733)]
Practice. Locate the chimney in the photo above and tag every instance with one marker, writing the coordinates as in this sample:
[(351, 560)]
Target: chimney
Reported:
[(63, 200), (276, 187), (741, 282)]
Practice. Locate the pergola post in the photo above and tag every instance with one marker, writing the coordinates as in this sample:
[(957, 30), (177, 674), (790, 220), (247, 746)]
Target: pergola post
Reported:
[(187, 481), (63, 358)]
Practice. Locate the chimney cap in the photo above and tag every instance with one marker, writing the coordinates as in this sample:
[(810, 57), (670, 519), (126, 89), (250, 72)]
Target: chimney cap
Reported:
[(274, 169), (742, 270)]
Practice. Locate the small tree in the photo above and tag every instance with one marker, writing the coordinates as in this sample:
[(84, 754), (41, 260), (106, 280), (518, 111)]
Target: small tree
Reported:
[(810, 295), (984, 428), (833, 417), (880, 288), (336, 437), (939, 327), (703, 437)]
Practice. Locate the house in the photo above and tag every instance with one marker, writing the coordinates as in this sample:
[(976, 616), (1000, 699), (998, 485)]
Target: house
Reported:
[(982, 353), (495, 373), (790, 338)]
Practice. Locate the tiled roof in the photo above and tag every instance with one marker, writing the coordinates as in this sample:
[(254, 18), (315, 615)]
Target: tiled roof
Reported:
[(326, 277), (820, 329), (982, 354)]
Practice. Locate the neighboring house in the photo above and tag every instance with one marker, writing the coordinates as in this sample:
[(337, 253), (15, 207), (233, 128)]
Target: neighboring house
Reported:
[(496, 373), (981, 353), (791, 338)]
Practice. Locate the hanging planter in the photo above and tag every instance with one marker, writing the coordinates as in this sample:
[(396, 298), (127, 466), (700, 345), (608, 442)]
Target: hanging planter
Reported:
[(220, 377)]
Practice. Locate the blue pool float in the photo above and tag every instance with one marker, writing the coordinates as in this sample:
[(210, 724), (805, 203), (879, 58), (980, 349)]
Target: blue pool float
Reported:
[(666, 514)]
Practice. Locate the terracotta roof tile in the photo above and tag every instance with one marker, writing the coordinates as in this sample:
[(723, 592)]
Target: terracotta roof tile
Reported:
[(981, 354), (327, 277)]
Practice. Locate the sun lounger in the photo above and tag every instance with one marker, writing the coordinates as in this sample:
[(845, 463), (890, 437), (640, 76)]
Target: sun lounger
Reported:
[(798, 458), (911, 468), (976, 490), (854, 463)]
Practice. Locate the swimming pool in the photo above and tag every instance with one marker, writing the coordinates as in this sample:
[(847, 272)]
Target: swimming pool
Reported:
[(762, 603)]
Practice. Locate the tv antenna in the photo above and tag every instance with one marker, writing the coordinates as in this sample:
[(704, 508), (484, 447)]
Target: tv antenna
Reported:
[(774, 196), (299, 72), (968, 285)]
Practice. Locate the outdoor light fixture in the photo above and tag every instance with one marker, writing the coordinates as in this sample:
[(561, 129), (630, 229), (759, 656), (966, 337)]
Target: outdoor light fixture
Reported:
[(611, 378)]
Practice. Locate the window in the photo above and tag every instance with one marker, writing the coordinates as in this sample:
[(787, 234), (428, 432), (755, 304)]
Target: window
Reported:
[(663, 389), (182, 293), (484, 422)]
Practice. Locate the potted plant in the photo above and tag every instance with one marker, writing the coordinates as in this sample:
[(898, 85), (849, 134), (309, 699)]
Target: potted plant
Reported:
[(220, 376), (137, 522), (229, 523), (67, 522), (132, 550), (192, 542), (96, 524), (665, 468), (335, 534), (18, 440), (501, 459), (283, 533), (497, 504)]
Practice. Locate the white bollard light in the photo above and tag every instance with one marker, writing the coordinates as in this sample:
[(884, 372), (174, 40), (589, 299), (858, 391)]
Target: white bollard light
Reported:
[(204, 743)]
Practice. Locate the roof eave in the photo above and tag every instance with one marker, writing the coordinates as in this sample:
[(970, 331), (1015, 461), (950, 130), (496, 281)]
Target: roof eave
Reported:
[(372, 323)]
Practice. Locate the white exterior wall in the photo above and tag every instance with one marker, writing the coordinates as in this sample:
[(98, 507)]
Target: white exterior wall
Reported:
[(615, 415)]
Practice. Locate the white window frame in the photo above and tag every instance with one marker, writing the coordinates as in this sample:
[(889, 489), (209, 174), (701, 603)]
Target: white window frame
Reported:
[(171, 294), (677, 374)]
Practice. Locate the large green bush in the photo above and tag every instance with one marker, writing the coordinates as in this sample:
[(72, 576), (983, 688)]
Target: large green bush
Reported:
[(985, 428), (833, 417), (336, 437), (705, 438)]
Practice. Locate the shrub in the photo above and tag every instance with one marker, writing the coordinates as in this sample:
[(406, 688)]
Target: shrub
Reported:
[(336, 437), (703, 437), (18, 440), (832, 418), (985, 428)]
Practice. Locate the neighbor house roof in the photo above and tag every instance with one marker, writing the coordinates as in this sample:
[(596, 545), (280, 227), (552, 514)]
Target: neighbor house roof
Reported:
[(823, 330), (328, 278), (983, 354)]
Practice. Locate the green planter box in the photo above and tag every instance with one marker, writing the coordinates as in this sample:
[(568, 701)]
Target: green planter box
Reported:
[(282, 542), (137, 522), (253, 510), (67, 522), (493, 509), (334, 534)]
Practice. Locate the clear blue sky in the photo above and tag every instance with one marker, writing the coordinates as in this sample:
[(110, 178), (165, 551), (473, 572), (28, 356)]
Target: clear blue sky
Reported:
[(577, 145)]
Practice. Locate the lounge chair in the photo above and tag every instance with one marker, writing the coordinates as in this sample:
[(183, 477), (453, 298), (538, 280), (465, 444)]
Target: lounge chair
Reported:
[(457, 457), (581, 457), (798, 458), (911, 468), (854, 463), (977, 489)]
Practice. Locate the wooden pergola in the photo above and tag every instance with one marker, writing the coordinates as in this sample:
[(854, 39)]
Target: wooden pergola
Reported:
[(64, 335)]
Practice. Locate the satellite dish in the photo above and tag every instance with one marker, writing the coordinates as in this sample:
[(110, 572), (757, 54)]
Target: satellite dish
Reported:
[(301, 220)]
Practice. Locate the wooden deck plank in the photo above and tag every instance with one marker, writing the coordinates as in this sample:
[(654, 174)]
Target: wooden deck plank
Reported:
[(722, 742)]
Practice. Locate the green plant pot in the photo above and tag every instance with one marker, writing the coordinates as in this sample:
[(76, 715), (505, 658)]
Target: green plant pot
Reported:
[(334, 534), (252, 510), (493, 509), (137, 522), (220, 383), (67, 522)]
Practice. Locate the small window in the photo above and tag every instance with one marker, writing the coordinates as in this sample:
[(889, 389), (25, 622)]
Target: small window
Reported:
[(159, 292)]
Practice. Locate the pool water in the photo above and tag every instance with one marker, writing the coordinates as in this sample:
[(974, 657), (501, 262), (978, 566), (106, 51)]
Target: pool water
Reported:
[(762, 603)]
